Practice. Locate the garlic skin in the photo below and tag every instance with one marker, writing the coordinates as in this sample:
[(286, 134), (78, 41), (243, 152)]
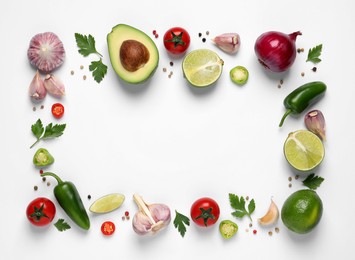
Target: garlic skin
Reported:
[(150, 219), (271, 216), (315, 122), (54, 86), (36, 90), (228, 42)]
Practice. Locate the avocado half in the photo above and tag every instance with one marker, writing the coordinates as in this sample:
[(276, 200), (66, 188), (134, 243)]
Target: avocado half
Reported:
[(118, 37)]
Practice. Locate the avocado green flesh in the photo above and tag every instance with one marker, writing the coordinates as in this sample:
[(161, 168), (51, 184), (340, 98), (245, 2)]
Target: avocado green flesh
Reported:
[(116, 37)]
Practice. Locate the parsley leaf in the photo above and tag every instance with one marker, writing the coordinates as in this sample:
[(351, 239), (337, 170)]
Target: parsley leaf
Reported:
[(180, 221), (314, 53), (61, 225), (312, 181), (37, 128), (238, 204), (98, 70), (86, 44), (45, 133)]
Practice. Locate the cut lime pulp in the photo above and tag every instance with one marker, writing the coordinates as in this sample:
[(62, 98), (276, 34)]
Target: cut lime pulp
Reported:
[(107, 203), (303, 150), (202, 67)]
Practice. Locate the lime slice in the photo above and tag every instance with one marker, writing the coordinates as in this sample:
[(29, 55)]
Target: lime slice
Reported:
[(303, 150), (107, 203), (202, 67)]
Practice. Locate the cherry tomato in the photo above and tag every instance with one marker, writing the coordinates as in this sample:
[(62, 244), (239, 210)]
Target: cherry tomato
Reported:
[(176, 40), (57, 110), (205, 212), (108, 228), (40, 211)]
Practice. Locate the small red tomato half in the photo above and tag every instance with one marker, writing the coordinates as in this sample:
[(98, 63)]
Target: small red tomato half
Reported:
[(176, 40), (40, 211), (108, 228), (205, 212), (57, 110)]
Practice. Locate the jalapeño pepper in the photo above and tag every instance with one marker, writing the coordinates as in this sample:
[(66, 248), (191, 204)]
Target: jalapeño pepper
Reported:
[(69, 199), (302, 97)]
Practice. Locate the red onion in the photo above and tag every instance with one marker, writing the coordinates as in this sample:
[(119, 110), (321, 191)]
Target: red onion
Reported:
[(276, 51)]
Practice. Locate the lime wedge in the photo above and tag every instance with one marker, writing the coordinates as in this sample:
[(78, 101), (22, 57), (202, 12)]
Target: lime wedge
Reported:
[(107, 203), (303, 150), (202, 67)]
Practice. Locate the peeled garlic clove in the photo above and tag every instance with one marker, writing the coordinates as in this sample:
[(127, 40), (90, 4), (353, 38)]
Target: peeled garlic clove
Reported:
[(150, 218), (46, 52), (228, 42), (37, 91), (315, 122), (54, 86), (271, 216)]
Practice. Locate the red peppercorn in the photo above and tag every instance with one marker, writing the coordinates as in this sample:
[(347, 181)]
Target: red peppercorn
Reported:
[(40, 171), (154, 32), (126, 213), (254, 231), (156, 35)]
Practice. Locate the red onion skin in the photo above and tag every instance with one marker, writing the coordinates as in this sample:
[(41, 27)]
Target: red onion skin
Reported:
[(276, 51)]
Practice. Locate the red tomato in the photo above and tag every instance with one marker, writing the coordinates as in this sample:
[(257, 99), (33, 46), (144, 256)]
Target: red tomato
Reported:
[(176, 40), (205, 212), (41, 211), (108, 228), (57, 110)]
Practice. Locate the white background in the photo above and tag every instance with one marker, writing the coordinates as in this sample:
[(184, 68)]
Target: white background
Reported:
[(170, 142)]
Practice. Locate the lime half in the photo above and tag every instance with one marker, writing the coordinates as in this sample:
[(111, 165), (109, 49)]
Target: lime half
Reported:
[(107, 203), (202, 67), (303, 150)]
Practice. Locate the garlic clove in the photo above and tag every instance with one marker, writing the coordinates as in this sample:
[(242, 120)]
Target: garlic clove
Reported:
[(315, 122), (228, 42), (54, 86), (271, 216), (46, 52), (36, 90)]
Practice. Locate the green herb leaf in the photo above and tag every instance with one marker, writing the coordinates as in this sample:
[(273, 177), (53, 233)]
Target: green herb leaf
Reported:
[(37, 129), (180, 221), (49, 132), (61, 225), (312, 181), (86, 45), (98, 70), (238, 204), (314, 53)]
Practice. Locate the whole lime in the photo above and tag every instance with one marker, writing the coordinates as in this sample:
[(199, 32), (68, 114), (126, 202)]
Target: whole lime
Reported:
[(302, 211)]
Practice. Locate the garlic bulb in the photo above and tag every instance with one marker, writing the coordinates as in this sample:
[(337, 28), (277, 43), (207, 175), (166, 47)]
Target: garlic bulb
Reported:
[(37, 91), (54, 86), (150, 218), (228, 42)]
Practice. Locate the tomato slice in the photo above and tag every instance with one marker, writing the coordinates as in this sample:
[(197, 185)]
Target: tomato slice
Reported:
[(57, 110), (108, 228)]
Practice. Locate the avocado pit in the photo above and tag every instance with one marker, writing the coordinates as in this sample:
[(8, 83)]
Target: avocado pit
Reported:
[(133, 55)]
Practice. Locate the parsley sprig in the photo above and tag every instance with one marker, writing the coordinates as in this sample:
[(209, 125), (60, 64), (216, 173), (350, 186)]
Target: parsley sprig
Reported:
[(180, 221), (312, 181), (51, 131), (61, 225), (86, 45), (238, 204), (314, 54)]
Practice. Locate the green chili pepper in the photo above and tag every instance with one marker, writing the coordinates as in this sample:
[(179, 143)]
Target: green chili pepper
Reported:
[(42, 158), (69, 199), (302, 97)]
